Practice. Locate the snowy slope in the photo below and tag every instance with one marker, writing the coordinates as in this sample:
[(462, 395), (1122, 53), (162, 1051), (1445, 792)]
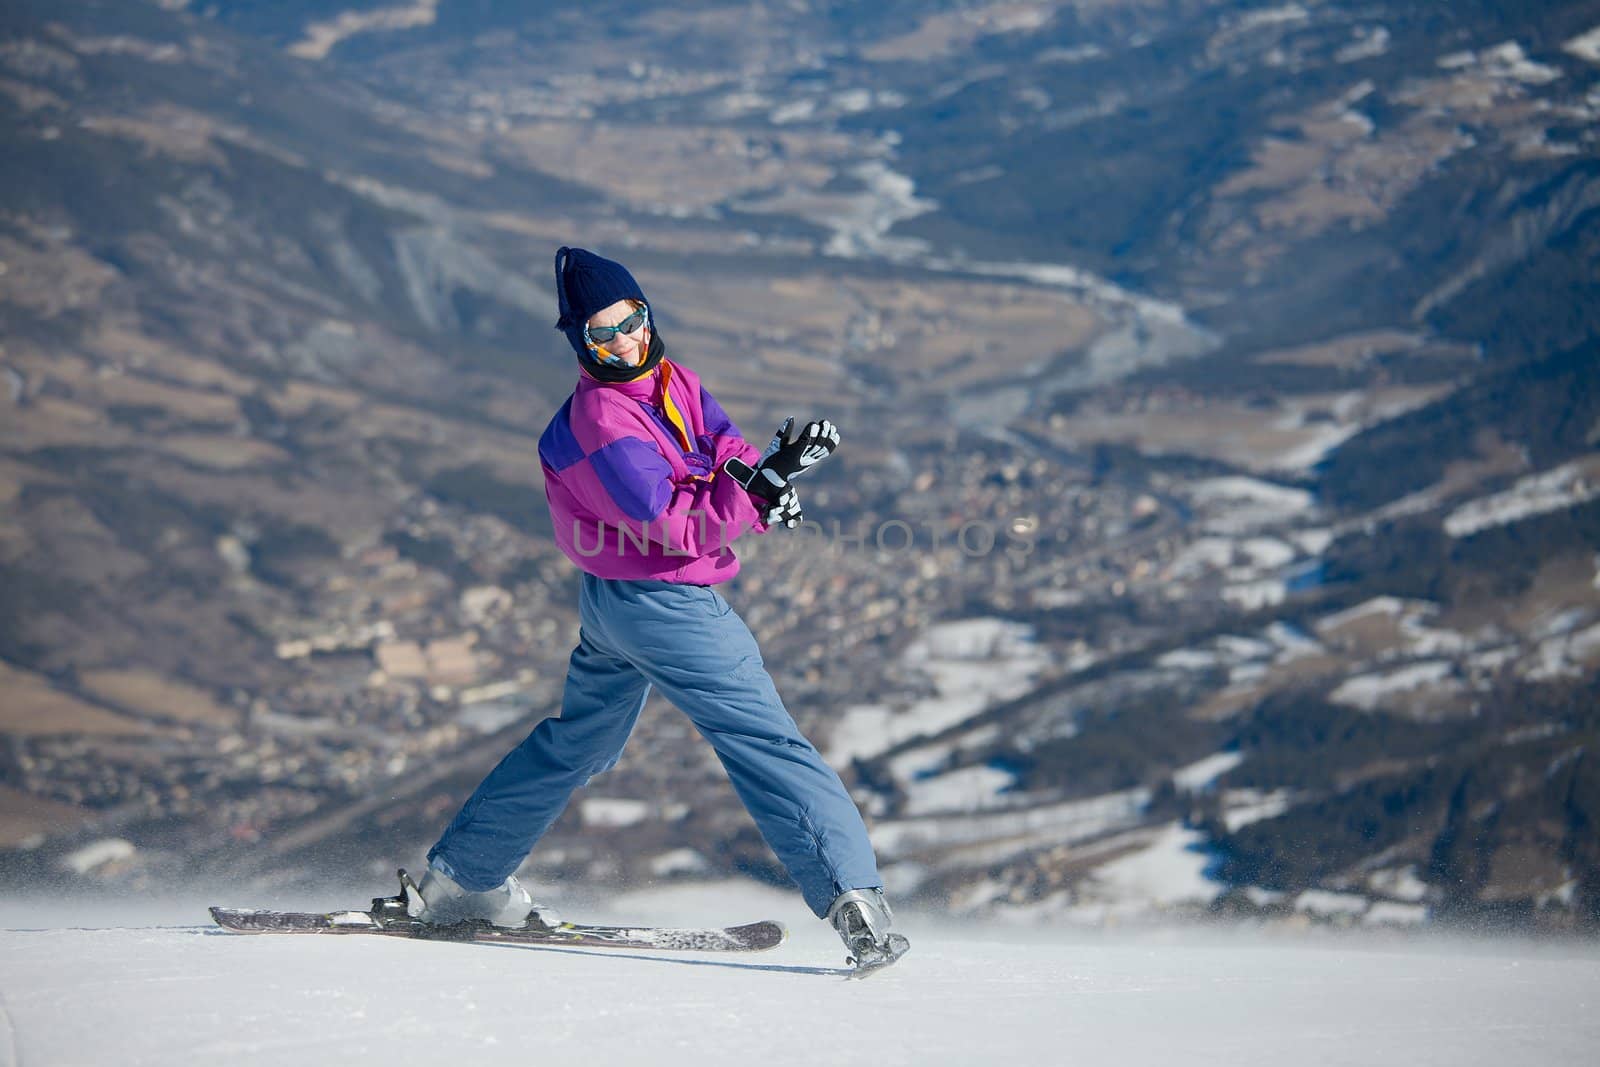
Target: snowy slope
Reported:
[(153, 993)]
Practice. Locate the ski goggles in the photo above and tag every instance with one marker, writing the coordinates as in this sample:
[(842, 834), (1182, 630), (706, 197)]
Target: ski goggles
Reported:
[(601, 334)]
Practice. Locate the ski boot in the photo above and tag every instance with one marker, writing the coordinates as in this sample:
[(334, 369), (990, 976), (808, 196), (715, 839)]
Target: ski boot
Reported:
[(862, 919), (440, 901)]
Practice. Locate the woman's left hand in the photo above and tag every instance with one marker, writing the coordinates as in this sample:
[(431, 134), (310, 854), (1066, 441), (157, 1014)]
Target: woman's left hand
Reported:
[(792, 453)]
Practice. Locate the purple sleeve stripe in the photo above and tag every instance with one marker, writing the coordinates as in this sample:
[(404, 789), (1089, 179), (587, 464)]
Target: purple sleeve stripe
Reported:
[(717, 422), (558, 446), (637, 477)]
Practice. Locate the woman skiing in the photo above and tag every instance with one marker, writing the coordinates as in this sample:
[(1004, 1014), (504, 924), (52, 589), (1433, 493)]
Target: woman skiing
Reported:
[(649, 482)]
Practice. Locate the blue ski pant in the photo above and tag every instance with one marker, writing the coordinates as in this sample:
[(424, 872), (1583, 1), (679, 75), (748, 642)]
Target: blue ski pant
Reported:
[(686, 641)]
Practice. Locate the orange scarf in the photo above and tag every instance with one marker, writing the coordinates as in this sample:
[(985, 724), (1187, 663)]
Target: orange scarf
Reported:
[(669, 407)]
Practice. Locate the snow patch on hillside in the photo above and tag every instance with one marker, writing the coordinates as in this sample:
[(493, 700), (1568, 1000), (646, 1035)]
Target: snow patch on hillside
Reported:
[(973, 664), (1244, 657), (1510, 62), (612, 812), (965, 789), (1252, 596), (1319, 444), (1585, 45), (1238, 505), (1387, 606), (1012, 831), (324, 36), (1538, 494), (1367, 44), (1241, 807), (1168, 872), (1199, 775), (1327, 904), (1565, 655), (1371, 691)]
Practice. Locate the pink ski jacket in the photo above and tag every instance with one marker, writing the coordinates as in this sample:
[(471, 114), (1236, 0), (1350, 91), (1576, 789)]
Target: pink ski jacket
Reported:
[(630, 497)]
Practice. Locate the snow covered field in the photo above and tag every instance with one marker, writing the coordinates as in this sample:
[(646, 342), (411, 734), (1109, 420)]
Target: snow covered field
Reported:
[(160, 986)]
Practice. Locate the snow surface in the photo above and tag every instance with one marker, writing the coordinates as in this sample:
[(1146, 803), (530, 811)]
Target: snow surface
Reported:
[(1252, 596), (1237, 504), (1317, 446), (1188, 659), (1586, 45), (966, 789), (1379, 605), (973, 664), (1393, 913), (323, 36), (1323, 902), (1508, 61), (1537, 494), (1056, 824), (1170, 871), (90, 856), (1368, 691), (678, 861), (1201, 555), (1241, 807), (1565, 655), (613, 811), (1367, 45), (1200, 774), (159, 986), (1401, 883)]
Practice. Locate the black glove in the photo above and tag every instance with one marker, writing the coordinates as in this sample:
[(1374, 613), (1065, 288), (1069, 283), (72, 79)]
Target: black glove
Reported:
[(787, 455), (794, 452), (785, 511), (782, 504)]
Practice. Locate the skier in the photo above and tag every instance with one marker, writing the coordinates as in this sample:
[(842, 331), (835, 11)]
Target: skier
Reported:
[(648, 482)]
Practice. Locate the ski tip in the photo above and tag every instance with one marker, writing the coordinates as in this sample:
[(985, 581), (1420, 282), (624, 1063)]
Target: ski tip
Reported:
[(759, 936), (235, 919), (226, 916)]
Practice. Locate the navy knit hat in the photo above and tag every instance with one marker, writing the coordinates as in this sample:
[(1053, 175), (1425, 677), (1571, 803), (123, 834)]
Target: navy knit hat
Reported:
[(587, 283)]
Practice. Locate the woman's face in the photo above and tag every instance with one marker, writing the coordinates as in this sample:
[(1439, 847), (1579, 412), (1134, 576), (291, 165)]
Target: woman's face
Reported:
[(630, 347)]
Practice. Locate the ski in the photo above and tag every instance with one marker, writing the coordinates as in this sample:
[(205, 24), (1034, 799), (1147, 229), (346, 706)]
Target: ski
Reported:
[(390, 916), (869, 965)]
